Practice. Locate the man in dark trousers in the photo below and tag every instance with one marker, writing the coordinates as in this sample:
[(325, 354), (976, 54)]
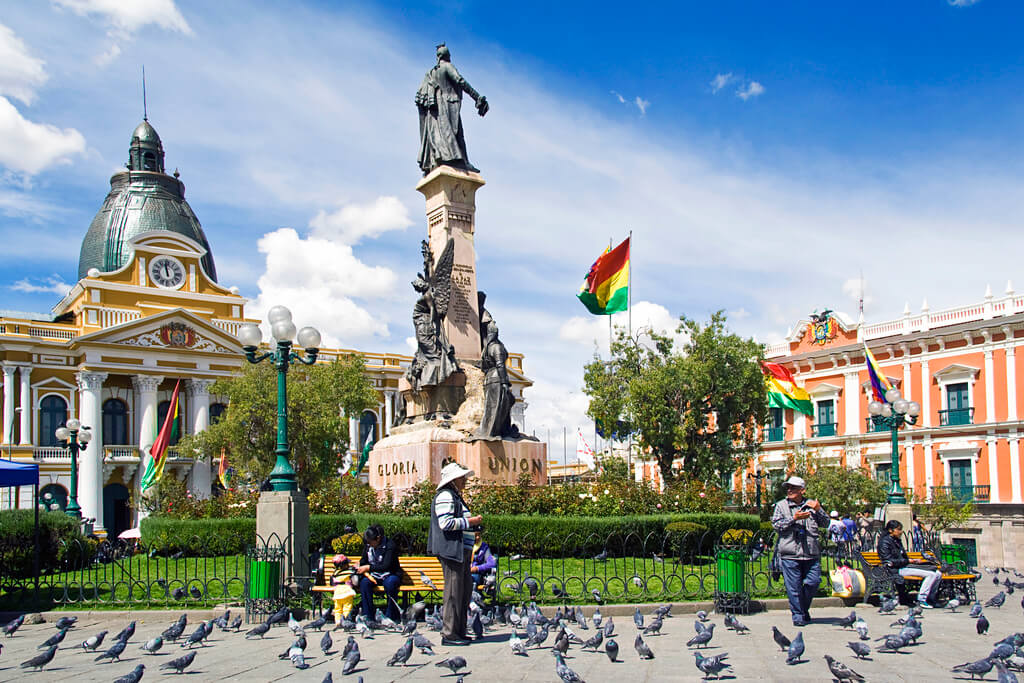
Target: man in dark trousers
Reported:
[(379, 567), (797, 520), (451, 538)]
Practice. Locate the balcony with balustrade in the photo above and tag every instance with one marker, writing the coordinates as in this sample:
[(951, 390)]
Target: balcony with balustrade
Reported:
[(963, 494), (824, 429), (955, 417), (774, 434)]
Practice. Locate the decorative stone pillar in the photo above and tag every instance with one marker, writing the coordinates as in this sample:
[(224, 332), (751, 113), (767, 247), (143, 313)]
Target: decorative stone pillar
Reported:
[(1011, 383), (851, 400), (146, 392), (199, 402), (926, 397), (90, 458), (26, 405), (990, 388), (929, 468), (353, 434), (993, 468), (519, 415), (8, 426), (389, 411), (1014, 440)]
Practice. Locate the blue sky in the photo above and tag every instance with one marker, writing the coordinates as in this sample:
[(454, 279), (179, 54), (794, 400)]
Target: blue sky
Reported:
[(764, 154)]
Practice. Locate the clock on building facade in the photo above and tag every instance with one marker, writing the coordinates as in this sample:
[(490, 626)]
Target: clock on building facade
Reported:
[(167, 272)]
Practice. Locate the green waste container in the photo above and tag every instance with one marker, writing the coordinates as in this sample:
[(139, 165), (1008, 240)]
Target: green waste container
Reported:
[(264, 579), (954, 554), (732, 566)]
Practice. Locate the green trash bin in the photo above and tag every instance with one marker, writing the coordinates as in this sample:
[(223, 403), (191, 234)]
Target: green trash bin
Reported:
[(264, 579), (954, 554), (732, 565)]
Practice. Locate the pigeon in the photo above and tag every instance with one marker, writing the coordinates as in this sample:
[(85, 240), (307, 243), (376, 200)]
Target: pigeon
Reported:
[(114, 652), (517, 645), (539, 637), (1001, 651), (280, 616), (609, 628), (698, 626), (975, 610), (532, 586), (174, 631), (126, 633), (153, 645), (258, 630), (638, 618), (477, 626), (952, 605), (702, 615), (978, 668), (236, 624), (426, 581), (402, 655), (561, 643), (350, 645), (178, 593), (782, 641), (54, 639), (796, 649), (298, 658), (860, 650), (657, 558), (317, 623), (654, 627), (195, 593), (93, 642), (841, 672), (739, 627), (712, 665), (1005, 676), (352, 658), (611, 648), (641, 648), (12, 626), (40, 660), (181, 663), (996, 600), (982, 625), (581, 618), (887, 606), (594, 641), (601, 556), (65, 623), (596, 616), (426, 647), (892, 643), (702, 638), (453, 663), (293, 625), (848, 621), (663, 611), (328, 678), (198, 636), (515, 558), (564, 672), (133, 676)]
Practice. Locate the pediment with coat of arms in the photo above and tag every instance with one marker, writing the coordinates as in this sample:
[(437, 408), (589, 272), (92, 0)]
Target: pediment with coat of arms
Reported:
[(176, 335)]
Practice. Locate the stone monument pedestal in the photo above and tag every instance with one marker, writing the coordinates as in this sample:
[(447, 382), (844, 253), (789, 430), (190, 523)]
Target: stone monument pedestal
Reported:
[(442, 401), (901, 512), (417, 452), (282, 519)]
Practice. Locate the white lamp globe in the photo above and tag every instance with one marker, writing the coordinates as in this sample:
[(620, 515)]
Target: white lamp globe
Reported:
[(85, 436), (250, 335), (893, 395), (901, 406), (886, 410), (875, 407), (284, 330), (62, 433), (914, 409), (278, 314), (309, 338), (73, 425)]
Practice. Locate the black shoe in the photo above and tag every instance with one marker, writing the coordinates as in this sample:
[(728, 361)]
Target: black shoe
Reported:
[(454, 641)]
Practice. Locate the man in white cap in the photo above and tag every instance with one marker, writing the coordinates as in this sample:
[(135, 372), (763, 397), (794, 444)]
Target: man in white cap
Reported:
[(451, 538), (797, 520)]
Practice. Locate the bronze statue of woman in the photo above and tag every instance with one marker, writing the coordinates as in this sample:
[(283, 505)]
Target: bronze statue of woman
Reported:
[(439, 100), (498, 398)]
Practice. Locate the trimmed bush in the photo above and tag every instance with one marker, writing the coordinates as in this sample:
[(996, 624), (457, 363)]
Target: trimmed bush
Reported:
[(348, 544), (198, 537), (737, 536), (60, 540), (686, 538)]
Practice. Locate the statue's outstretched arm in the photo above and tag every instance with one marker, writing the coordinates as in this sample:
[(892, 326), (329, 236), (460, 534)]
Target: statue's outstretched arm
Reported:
[(481, 102)]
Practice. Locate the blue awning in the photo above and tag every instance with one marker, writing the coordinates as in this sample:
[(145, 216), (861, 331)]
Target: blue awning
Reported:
[(18, 474)]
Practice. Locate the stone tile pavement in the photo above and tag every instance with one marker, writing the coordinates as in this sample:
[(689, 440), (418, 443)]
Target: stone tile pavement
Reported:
[(948, 639)]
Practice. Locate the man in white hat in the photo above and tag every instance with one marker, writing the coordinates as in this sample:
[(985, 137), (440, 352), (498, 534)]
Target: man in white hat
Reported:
[(797, 520), (451, 538)]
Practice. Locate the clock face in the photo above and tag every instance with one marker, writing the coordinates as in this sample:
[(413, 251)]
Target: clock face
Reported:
[(167, 272)]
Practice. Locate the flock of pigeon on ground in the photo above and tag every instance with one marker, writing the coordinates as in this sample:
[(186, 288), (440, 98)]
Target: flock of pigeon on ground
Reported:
[(530, 631)]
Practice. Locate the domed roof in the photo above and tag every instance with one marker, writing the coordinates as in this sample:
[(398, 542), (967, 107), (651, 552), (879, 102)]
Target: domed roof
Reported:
[(142, 199)]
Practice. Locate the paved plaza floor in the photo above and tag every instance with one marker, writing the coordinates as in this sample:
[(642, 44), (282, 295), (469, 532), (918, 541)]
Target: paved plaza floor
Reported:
[(948, 639)]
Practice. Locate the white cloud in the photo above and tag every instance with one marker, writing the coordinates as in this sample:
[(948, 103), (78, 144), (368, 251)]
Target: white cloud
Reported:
[(591, 331), (353, 222), (124, 17), (29, 147), (51, 285), (319, 279), (855, 288), (641, 104), (720, 81), (20, 72), (752, 89), (620, 98), (963, 3)]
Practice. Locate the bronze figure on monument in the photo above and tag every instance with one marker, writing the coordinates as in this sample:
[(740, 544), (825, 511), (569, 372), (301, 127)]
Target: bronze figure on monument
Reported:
[(439, 100), (498, 398), (435, 360)]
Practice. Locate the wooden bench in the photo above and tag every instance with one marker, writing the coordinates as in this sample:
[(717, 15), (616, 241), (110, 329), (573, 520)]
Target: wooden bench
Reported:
[(411, 581), (882, 580)]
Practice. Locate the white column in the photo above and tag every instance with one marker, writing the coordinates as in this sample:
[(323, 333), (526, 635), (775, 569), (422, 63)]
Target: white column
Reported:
[(799, 425), (199, 403), (90, 459), (353, 434), (926, 396), (993, 469), (146, 405), (1015, 467), (26, 406), (907, 394), (1011, 384), (990, 388), (851, 394), (928, 467), (389, 411), (8, 425)]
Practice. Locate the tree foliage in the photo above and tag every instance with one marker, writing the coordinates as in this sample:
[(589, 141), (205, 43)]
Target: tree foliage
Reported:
[(701, 403), (318, 396), (944, 510), (845, 490)]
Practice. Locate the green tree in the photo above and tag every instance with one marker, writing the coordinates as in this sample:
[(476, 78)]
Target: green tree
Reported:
[(845, 490), (318, 396), (944, 511), (702, 402)]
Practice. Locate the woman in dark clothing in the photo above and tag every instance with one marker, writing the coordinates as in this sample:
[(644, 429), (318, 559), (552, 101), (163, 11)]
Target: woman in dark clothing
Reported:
[(379, 567), (892, 555)]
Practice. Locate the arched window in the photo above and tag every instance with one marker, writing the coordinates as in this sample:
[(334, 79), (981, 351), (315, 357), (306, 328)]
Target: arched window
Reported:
[(367, 425), (148, 161), (115, 422), (161, 415), (217, 411), (53, 413), (53, 497)]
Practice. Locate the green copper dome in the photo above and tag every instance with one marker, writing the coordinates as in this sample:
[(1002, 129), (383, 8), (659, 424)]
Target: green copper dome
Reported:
[(142, 199)]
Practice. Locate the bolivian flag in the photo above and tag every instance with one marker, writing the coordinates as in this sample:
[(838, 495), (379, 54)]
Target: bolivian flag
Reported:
[(158, 452), (606, 289), (783, 391)]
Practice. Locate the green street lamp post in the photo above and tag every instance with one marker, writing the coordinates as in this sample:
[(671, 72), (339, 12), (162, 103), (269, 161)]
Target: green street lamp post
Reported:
[(894, 413), (282, 477), (75, 438)]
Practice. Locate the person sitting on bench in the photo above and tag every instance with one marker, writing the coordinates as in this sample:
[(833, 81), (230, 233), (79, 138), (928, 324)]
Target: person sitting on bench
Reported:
[(379, 567), (484, 562), (893, 556)]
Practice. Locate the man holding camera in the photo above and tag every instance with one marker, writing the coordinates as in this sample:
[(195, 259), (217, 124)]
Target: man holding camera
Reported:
[(796, 520), (451, 537)]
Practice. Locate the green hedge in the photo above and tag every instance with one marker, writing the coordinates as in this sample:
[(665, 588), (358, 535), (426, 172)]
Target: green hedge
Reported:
[(537, 536), (60, 539)]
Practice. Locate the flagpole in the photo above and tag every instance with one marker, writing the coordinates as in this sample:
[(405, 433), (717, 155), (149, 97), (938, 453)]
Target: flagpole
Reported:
[(610, 317), (629, 315)]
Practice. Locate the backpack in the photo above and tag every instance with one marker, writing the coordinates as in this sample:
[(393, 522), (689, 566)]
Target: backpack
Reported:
[(847, 583)]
